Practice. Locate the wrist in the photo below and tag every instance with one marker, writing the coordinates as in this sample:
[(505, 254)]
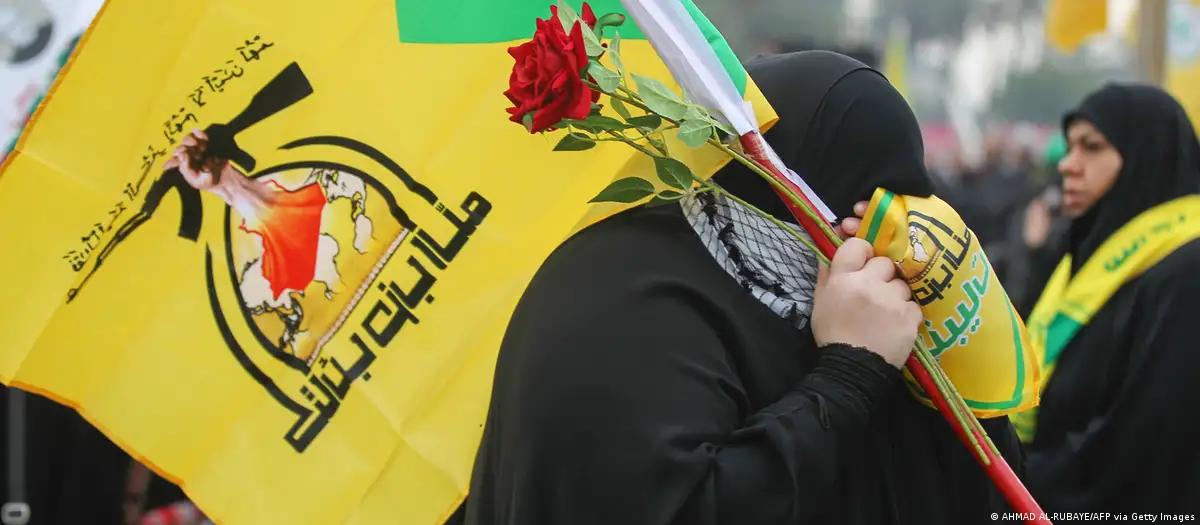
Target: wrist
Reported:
[(865, 375)]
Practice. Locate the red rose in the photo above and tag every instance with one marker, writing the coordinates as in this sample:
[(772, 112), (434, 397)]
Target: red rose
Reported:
[(547, 77), (587, 15)]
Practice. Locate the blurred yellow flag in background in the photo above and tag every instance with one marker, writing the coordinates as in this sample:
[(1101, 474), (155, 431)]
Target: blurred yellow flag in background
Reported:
[(1070, 22), (1183, 55)]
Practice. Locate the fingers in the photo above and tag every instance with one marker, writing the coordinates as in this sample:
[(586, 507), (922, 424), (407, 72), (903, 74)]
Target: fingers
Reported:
[(193, 177), (187, 158), (880, 268), (195, 138), (849, 227), (913, 314), (900, 288), (822, 274), (851, 257)]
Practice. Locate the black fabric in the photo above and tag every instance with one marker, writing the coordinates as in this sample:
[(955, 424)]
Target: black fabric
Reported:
[(843, 142), (73, 474), (1041, 263), (162, 493), (1116, 428), (638, 383), (1161, 159)]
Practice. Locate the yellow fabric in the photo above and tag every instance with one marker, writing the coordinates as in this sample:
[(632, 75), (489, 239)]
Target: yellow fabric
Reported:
[(1183, 56), (1071, 22), (1183, 61), (970, 324), (895, 59), (1067, 303), (161, 359)]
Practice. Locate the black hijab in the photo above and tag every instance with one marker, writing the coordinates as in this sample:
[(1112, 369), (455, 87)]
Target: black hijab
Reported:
[(598, 415), (1161, 159), (842, 127)]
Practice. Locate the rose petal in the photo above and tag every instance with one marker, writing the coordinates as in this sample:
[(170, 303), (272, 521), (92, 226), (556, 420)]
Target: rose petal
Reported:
[(546, 77), (588, 16), (550, 115), (551, 62), (580, 49), (581, 108)]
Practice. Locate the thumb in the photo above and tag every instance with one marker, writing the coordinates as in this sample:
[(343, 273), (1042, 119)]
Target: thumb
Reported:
[(851, 256)]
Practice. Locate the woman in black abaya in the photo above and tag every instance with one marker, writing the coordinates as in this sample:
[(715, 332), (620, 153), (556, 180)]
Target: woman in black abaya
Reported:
[(668, 365), (1117, 430)]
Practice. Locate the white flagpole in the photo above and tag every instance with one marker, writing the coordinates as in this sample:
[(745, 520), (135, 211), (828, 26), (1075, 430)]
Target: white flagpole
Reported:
[(694, 65)]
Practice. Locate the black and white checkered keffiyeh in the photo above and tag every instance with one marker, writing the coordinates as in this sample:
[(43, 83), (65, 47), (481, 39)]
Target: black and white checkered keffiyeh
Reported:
[(767, 261)]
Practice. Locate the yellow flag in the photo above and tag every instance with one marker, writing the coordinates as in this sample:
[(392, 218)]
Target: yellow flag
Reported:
[(1183, 55), (309, 339), (1070, 22), (1183, 50), (970, 327), (895, 57)]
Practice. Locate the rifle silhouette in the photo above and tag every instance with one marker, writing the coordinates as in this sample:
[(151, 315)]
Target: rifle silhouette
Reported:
[(286, 89)]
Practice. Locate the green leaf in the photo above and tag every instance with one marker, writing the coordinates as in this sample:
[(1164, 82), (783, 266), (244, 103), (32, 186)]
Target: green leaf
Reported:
[(694, 133), (649, 122), (614, 53), (567, 17), (697, 112), (607, 79), (527, 121), (626, 190), (592, 43), (597, 124), (724, 127), (659, 98), (609, 20), (575, 142), (672, 172), (620, 108)]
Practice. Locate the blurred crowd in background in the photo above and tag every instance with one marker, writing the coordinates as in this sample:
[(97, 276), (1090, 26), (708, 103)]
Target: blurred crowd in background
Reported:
[(981, 75), (989, 81)]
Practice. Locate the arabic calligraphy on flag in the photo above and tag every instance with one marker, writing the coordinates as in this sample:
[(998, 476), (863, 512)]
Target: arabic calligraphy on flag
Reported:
[(970, 324), (278, 299)]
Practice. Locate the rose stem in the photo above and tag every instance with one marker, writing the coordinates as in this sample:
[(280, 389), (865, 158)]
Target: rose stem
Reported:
[(940, 390), (996, 467), (721, 191)]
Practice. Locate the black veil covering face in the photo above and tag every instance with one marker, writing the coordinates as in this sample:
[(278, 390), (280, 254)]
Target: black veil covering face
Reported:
[(843, 142), (1159, 152), (1117, 427), (639, 383)]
